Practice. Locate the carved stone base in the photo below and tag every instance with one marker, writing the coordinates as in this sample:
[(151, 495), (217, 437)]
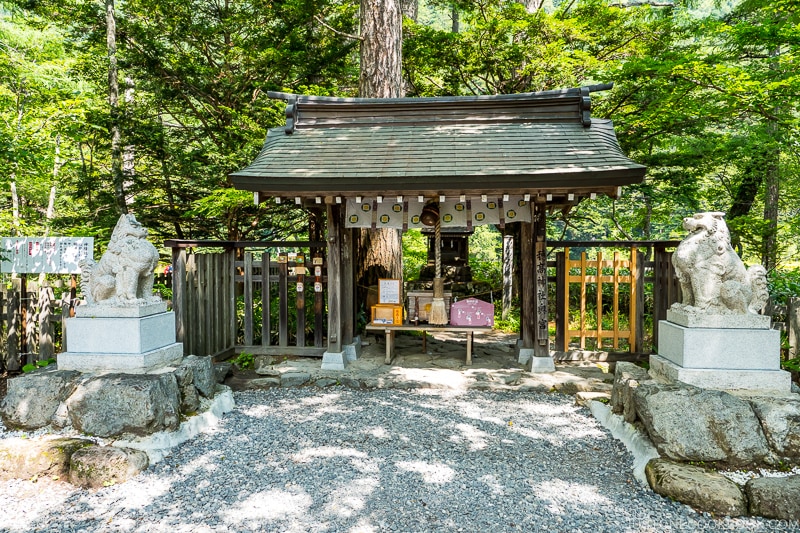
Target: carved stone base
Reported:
[(334, 360), (720, 379), (125, 335), (130, 363), (719, 348)]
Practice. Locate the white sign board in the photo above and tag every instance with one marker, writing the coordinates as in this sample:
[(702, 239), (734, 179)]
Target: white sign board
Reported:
[(50, 255)]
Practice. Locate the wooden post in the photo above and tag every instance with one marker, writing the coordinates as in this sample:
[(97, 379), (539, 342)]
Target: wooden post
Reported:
[(348, 284), (30, 325), (527, 296), (248, 299), (638, 297), (508, 274), (266, 302), (179, 293), (334, 279), (561, 304), (793, 326), (300, 306), (541, 335), (46, 298), (230, 298), (283, 300), (12, 339)]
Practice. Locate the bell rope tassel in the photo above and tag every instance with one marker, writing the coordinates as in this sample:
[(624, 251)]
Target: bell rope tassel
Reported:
[(438, 314)]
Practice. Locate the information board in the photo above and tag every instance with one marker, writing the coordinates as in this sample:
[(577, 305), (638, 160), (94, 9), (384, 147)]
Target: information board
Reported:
[(49, 255), (389, 291)]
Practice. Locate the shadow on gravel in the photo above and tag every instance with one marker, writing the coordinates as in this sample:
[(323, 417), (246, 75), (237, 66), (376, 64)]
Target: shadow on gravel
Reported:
[(305, 460)]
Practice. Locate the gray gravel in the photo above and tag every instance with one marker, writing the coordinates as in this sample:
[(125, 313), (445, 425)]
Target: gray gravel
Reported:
[(306, 459)]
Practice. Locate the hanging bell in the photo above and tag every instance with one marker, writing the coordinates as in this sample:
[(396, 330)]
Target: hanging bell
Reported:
[(430, 214)]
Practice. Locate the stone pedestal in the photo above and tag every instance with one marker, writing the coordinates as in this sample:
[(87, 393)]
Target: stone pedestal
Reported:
[(133, 340), (736, 353)]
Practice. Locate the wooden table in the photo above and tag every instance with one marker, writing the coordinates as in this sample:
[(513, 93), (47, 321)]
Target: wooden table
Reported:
[(390, 330)]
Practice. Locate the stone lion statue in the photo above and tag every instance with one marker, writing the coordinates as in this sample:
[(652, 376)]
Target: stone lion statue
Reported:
[(124, 275), (713, 278)]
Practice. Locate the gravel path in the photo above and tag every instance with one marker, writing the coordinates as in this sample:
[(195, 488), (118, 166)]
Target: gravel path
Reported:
[(305, 460)]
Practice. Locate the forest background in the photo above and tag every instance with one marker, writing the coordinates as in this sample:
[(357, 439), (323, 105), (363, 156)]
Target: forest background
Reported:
[(147, 105)]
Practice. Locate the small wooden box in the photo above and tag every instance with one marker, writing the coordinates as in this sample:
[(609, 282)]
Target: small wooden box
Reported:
[(387, 314), (419, 304)]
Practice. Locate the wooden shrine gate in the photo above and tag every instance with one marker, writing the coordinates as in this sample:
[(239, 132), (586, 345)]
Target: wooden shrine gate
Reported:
[(253, 297), (603, 299)]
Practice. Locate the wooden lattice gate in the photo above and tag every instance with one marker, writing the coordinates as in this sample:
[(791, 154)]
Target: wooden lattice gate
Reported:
[(612, 289)]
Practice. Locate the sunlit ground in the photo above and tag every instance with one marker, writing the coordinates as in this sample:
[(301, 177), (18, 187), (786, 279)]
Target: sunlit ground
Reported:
[(343, 460)]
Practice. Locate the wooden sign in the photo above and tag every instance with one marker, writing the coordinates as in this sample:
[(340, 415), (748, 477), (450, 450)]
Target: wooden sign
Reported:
[(316, 261), (283, 259), (318, 271), (472, 312), (299, 287), (317, 287)]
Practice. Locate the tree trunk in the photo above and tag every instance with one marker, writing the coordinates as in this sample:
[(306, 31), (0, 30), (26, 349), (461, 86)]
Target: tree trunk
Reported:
[(379, 253), (117, 177), (381, 49), (15, 203), (410, 8), (456, 22), (769, 254)]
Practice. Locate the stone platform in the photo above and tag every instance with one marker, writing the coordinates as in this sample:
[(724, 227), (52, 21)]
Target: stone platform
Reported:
[(744, 354), (134, 339)]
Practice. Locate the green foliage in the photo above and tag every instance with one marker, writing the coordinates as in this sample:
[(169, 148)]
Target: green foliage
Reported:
[(30, 367), (783, 284), (415, 253), (244, 361)]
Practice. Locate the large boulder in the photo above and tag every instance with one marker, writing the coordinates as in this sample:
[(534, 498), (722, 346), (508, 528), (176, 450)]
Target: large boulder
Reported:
[(702, 489), (780, 420), (26, 458), (687, 423), (203, 371), (190, 399), (775, 497), (33, 399), (115, 404), (100, 466), (627, 377)]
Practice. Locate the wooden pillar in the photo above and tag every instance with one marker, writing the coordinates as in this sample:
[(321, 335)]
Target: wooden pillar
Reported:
[(527, 300), (334, 278), (541, 341), (508, 274), (179, 293), (348, 306)]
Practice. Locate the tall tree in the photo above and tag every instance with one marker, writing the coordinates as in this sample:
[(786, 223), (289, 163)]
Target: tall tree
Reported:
[(380, 252), (117, 177)]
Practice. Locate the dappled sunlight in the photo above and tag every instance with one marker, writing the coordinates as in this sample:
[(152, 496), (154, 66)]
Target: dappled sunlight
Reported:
[(433, 376), (430, 472), (351, 497), (364, 526), (205, 462), (474, 436), (274, 504), (377, 432), (563, 496), (492, 483)]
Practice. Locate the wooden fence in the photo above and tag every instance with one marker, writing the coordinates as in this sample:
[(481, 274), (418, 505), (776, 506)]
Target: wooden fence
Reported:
[(219, 299), (225, 303), (32, 323)]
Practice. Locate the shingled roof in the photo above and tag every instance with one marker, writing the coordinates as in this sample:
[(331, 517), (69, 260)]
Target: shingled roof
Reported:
[(532, 143)]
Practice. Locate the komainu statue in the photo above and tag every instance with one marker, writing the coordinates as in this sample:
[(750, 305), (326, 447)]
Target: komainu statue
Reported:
[(124, 275), (713, 279)]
